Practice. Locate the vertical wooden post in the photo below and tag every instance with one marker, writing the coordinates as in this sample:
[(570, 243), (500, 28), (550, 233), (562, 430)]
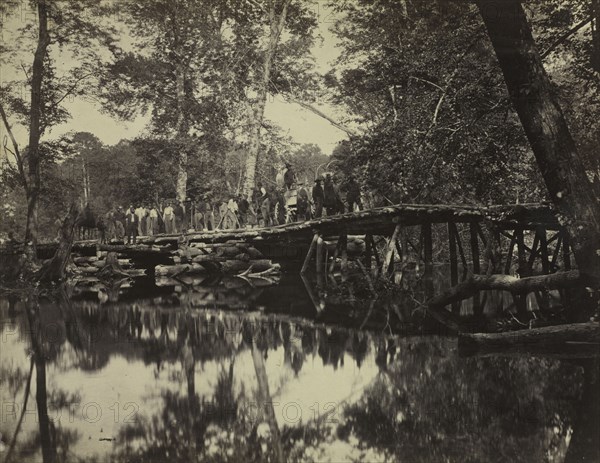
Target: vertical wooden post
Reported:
[(404, 244), (427, 246), (474, 248), (388, 261), (522, 259), (320, 267), (511, 248), (453, 261), (474, 243), (426, 234), (556, 253), (492, 257), (453, 255), (368, 251), (343, 242), (461, 251), (534, 252), (544, 250), (334, 258), (566, 251)]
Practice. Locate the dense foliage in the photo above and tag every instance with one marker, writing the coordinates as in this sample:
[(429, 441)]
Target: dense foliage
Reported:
[(422, 80)]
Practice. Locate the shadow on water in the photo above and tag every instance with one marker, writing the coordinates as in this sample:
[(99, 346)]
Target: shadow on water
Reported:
[(216, 369)]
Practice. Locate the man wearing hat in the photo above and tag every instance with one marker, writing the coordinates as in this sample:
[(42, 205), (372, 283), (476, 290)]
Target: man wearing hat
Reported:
[(289, 178), (317, 197)]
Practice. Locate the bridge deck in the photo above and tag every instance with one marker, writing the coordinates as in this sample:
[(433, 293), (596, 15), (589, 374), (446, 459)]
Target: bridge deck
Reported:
[(379, 221)]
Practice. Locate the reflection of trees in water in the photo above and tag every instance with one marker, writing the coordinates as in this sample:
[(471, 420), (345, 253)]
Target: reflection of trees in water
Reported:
[(425, 405), (433, 407), (45, 345)]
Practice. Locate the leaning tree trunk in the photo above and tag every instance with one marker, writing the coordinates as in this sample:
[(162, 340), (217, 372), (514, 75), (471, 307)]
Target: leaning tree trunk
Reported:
[(54, 270), (181, 188), (542, 118), (276, 24), (35, 129)]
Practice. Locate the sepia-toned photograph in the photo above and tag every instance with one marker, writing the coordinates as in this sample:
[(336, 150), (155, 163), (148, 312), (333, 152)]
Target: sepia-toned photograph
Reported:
[(304, 231)]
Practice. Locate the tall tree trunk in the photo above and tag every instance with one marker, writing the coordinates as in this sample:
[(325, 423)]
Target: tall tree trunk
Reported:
[(35, 129), (181, 128), (596, 35), (265, 404), (86, 183), (46, 427), (542, 118), (276, 22)]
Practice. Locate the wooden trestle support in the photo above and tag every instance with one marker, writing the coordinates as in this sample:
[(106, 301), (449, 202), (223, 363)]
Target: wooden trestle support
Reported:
[(494, 249)]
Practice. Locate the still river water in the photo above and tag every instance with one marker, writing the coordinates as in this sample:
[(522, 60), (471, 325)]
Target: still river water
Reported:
[(218, 370)]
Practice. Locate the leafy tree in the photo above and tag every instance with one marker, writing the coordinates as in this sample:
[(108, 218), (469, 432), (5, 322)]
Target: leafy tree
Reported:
[(435, 117), (56, 27), (173, 71)]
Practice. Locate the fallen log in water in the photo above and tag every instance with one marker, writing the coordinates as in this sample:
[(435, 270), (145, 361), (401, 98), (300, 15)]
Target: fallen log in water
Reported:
[(575, 339), (216, 265), (435, 305), (509, 283)]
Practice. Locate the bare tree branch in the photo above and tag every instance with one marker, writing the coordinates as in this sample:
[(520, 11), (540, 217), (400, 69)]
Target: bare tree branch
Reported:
[(16, 152), (71, 89), (320, 113), (563, 38)]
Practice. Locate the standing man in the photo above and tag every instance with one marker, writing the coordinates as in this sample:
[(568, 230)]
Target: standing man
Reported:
[(139, 211), (153, 228), (231, 215), (178, 212), (132, 222), (243, 207), (119, 217), (209, 215), (317, 197), (289, 178), (169, 218), (265, 210), (330, 196), (353, 194), (109, 223), (199, 209)]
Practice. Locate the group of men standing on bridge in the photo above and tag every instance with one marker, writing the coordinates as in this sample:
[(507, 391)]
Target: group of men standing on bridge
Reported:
[(285, 201)]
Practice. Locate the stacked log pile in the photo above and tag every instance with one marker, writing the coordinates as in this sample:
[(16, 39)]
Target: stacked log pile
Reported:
[(229, 258)]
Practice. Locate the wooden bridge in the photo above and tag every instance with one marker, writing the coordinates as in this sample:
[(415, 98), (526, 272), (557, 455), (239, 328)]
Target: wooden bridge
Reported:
[(529, 235)]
